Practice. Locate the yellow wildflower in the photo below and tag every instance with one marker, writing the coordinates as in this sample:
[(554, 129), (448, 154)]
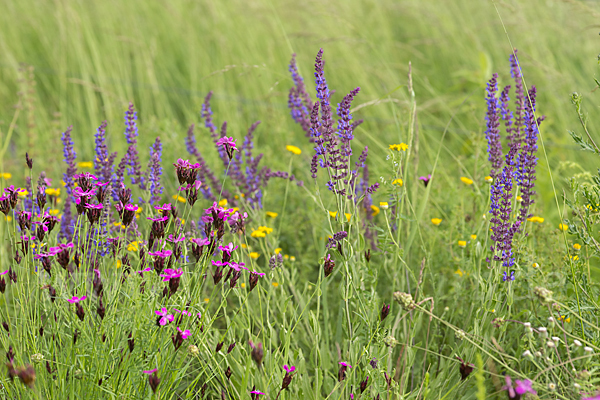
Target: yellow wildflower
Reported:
[(348, 216), (278, 250), (462, 243), (375, 210), (577, 246), (244, 246), (436, 221), (332, 214), (53, 192), (139, 210), (5, 175), (519, 199), (275, 284), (466, 180), (535, 265), (85, 164), (536, 219), (489, 179), (563, 227), (564, 318), (118, 263), (383, 205), (293, 149), (23, 193), (459, 272), (223, 203), (473, 237), (54, 211), (8, 218), (243, 285), (286, 257), (258, 234), (574, 258), (206, 299), (292, 258), (254, 255), (63, 183), (399, 147), (179, 198), (133, 246), (398, 182), (272, 214)]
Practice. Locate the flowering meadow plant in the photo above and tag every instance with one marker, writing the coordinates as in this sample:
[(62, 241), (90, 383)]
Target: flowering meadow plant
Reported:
[(143, 277)]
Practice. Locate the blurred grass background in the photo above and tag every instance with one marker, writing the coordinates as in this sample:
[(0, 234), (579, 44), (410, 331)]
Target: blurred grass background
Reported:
[(89, 59)]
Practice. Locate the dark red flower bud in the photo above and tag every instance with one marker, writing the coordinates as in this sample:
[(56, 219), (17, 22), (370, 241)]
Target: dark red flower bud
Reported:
[(231, 347), (79, 311), (328, 265), (363, 384), (27, 375), (153, 380), (228, 372), (218, 347), (385, 311), (131, 342), (29, 161)]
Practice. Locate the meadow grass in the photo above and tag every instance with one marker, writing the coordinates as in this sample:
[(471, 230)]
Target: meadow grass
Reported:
[(84, 63)]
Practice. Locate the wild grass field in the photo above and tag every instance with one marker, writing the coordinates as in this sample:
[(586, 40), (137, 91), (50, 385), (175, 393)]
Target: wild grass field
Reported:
[(399, 225)]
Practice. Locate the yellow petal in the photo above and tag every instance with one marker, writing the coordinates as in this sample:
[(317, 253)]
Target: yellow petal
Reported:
[(293, 149), (466, 180)]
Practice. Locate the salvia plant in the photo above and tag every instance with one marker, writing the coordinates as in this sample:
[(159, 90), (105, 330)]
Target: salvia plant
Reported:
[(169, 280)]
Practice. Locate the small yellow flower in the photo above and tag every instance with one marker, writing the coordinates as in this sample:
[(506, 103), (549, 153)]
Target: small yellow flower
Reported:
[(272, 214), (292, 258), (563, 227), (462, 243), (577, 246), (275, 284), (398, 182), (179, 198), (375, 210), (536, 219), (399, 147), (574, 258), (265, 229), (535, 265), (118, 263), (243, 285), (63, 183), (332, 214), (466, 180), (258, 234), (139, 210), (254, 255), (519, 199), (223, 203), (293, 149), (278, 250), (23, 193), (286, 257), (53, 192), (54, 211), (85, 164), (5, 175), (133, 246), (489, 179), (8, 218), (244, 246), (564, 318), (206, 299), (348, 216), (473, 237), (436, 221), (459, 272), (383, 205)]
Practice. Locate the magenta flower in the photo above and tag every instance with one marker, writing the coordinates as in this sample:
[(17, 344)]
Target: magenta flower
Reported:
[(149, 372), (94, 206), (345, 364), (144, 270), (165, 207), (172, 239), (4, 273), (171, 273), (228, 249), (524, 387), (229, 143), (289, 370), (75, 299), (200, 241), (596, 397), (159, 219), (165, 317), (237, 266), (257, 392), (163, 254), (184, 334), (425, 179)]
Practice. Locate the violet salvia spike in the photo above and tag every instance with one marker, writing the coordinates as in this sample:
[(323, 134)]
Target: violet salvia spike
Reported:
[(515, 72), (155, 171), (492, 132), (299, 101), (103, 164)]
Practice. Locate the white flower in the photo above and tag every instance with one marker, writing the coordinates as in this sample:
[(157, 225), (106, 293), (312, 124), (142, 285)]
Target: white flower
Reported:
[(527, 354), (543, 331), (555, 339), (550, 344), (577, 343), (551, 386), (588, 349)]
